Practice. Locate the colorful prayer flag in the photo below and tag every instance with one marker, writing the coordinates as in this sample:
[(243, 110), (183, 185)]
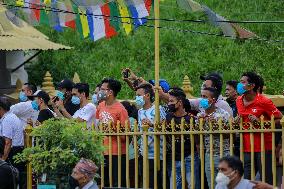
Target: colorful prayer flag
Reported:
[(126, 22), (84, 22), (114, 15), (109, 30)]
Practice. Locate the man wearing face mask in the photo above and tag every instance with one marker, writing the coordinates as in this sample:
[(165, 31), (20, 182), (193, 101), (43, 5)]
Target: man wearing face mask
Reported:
[(232, 95), (12, 131), (109, 112), (86, 113), (179, 107), (230, 174), (213, 80), (40, 103), (64, 95), (212, 114), (83, 174), (251, 105), (24, 110), (146, 116)]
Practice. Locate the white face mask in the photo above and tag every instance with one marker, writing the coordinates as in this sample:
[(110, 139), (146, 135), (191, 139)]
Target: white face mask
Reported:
[(222, 179)]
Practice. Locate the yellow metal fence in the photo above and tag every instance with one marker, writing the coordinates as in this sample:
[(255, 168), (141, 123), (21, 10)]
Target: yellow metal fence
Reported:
[(197, 133)]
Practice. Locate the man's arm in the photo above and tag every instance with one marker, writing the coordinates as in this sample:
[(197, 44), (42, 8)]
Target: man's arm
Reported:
[(7, 149)]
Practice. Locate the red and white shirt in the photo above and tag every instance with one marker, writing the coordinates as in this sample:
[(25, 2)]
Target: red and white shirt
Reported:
[(260, 106)]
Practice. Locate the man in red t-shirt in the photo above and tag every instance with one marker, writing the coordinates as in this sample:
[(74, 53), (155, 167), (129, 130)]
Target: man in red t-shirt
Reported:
[(251, 105), (112, 111)]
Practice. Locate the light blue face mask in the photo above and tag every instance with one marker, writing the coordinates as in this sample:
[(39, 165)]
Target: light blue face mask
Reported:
[(139, 100), (23, 97), (95, 98), (35, 105), (241, 89), (204, 103), (75, 100), (60, 95)]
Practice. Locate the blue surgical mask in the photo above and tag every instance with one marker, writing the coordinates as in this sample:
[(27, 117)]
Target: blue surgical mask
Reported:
[(95, 98), (241, 89), (75, 100), (23, 97), (35, 105), (139, 100), (60, 95), (204, 103)]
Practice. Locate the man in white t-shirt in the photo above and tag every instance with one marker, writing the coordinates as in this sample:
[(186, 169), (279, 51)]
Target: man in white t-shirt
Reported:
[(213, 80), (11, 129), (24, 110), (87, 111), (146, 116)]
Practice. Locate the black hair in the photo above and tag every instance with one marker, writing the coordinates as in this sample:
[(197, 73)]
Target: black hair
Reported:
[(148, 89), (5, 103), (113, 85), (180, 95), (232, 83), (235, 163), (2, 146), (217, 81), (131, 109), (31, 87), (253, 78), (213, 91), (83, 88)]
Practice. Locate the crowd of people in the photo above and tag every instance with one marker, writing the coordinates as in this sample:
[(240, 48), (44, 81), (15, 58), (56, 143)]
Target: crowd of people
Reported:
[(244, 101)]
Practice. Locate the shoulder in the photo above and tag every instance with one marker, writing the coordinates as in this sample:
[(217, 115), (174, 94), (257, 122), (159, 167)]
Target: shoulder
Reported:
[(89, 106)]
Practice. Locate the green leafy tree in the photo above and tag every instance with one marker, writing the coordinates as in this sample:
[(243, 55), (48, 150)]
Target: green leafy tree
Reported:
[(60, 143)]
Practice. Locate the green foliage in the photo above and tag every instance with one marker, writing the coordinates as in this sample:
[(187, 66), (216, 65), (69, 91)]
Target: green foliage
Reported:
[(60, 144), (181, 53)]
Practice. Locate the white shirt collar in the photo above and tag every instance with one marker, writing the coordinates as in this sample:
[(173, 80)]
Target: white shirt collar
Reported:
[(87, 186)]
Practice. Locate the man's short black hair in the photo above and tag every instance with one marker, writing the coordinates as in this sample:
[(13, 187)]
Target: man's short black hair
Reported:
[(31, 86), (2, 146), (83, 88), (148, 89), (113, 85), (253, 78), (180, 95), (232, 83), (217, 80), (214, 92), (235, 163), (5, 104)]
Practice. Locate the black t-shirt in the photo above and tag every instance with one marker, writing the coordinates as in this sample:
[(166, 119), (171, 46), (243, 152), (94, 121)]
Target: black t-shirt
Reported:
[(187, 144), (6, 177), (70, 107), (44, 115)]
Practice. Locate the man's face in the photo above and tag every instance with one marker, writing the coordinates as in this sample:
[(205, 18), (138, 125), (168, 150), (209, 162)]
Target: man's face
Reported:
[(248, 86), (230, 92), (39, 101), (106, 89), (207, 95), (207, 84), (75, 92), (173, 100), (224, 168), (77, 175), (141, 92), (26, 90)]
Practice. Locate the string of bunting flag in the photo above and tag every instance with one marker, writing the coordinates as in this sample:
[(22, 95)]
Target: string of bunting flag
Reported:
[(55, 14), (106, 19)]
